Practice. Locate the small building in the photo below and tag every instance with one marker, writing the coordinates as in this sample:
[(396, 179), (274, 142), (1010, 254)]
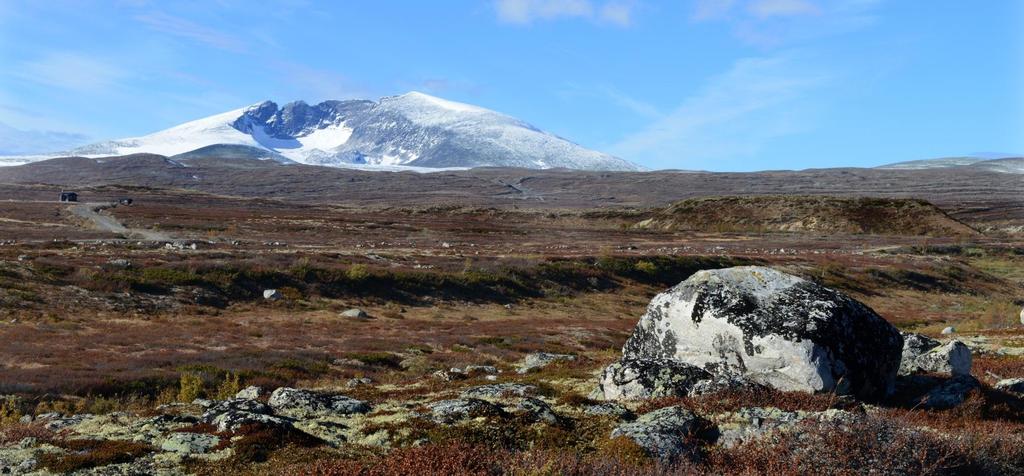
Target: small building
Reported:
[(68, 196)]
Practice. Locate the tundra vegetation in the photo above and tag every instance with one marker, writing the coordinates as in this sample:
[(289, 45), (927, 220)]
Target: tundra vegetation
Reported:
[(450, 340)]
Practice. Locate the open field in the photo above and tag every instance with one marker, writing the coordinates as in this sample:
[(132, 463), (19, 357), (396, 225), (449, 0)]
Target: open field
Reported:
[(99, 319)]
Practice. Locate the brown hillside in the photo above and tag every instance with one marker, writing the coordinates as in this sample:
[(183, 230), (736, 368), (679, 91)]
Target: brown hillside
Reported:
[(814, 214)]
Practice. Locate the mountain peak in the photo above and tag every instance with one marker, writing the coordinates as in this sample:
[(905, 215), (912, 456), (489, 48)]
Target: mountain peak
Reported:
[(414, 129)]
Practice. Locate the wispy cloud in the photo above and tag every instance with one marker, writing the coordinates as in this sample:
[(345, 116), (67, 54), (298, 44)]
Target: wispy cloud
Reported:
[(782, 8), (774, 23), (188, 29), (22, 142), (71, 71), (733, 116), (614, 96), (524, 12), (316, 84)]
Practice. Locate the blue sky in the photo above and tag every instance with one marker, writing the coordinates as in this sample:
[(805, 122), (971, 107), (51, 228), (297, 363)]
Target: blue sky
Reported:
[(690, 84)]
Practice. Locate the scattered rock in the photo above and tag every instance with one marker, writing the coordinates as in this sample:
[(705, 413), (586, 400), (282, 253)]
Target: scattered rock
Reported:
[(538, 411), (751, 423), (610, 409), (923, 354), (357, 382), (948, 330), (1022, 316), (663, 433), (355, 313), (229, 415), (449, 376), (120, 263), (251, 392), (542, 359), (331, 432), (189, 443), (649, 378), (773, 328), (60, 423), (724, 383), (307, 404), (499, 390), (473, 370), (451, 411), (271, 294), (949, 393), (1014, 385)]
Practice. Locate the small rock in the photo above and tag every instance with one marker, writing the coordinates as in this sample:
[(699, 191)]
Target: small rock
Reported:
[(922, 354), (61, 423), (25, 419), (120, 263), (28, 442), (357, 382), (355, 314), (724, 383), (610, 409), (204, 402), (189, 443), (271, 294), (662, 433), (538, 411), (251, 392), (481, 370), (1022, 316), (1014, 385), (307, 404), (229, 415), (451, 411), (449, 376), (649, 378), (948, 330), (499, 390), (542, 359), (950, 393)]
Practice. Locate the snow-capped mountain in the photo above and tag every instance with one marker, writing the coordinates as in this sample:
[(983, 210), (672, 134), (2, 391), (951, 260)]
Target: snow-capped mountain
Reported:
[(413, 129)]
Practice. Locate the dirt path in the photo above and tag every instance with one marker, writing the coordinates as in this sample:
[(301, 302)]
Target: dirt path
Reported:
[(100, 221)]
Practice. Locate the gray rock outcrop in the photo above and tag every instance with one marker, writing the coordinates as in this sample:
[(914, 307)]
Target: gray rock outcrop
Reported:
[(650, 378), (663, 433), (540, 360), (924, 354), (1013, 385), (452, 411), (309, 404)]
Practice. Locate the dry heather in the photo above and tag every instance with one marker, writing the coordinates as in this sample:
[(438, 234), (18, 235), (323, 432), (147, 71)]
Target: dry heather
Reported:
[(816, 214)]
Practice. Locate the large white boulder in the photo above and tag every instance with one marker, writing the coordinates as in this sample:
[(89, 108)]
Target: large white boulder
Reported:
[(772, 328)]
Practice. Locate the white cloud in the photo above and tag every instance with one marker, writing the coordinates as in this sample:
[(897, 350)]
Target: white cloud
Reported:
[(733, 116), (524, 12), (71, 71)]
